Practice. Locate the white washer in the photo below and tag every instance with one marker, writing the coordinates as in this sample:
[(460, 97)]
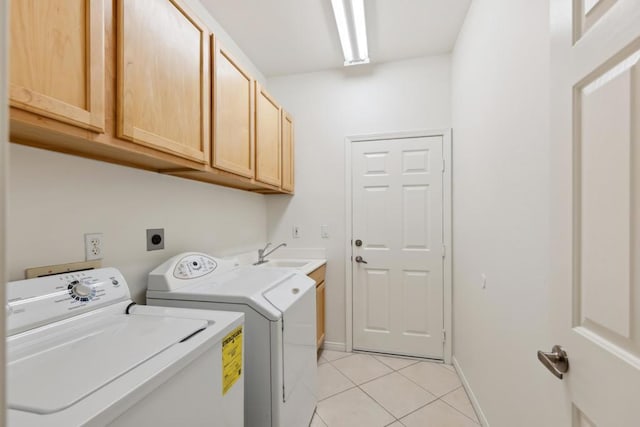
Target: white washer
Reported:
[(280, 323), (81, 353)]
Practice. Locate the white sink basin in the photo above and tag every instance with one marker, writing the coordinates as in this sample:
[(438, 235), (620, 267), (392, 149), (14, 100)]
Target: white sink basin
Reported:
[(305, 265), (285, 263)]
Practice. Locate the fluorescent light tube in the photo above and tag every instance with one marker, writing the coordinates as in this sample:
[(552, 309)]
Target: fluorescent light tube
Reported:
[(352, 29), (343, 28), (357, 7)]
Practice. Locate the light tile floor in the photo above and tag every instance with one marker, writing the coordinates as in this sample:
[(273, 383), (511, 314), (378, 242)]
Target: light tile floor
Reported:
[(361, 390)]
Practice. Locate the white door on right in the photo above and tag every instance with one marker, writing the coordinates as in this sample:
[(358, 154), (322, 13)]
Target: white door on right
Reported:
[(397, 223), (595, 118)]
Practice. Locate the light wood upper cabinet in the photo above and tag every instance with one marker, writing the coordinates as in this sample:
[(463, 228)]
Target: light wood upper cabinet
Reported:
[(268, 143), (57, 62), (144, 84), (287, 152), (163, 78), (234, 137)]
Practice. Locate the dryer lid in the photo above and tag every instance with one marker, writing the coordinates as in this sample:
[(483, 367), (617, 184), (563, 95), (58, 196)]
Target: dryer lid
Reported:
[(64, 365)]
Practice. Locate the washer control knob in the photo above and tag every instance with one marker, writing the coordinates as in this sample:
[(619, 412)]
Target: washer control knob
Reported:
[(82, 290)]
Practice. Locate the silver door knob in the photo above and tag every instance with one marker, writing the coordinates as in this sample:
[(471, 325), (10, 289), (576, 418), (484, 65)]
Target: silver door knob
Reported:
[(360, 260), (557, 361)]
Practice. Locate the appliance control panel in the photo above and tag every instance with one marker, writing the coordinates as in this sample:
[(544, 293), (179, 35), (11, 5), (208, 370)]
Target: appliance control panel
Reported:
[(187, 268), (33, 302), (193, 266)]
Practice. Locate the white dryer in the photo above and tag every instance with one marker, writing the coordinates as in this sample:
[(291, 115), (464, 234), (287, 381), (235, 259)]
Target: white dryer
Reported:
[(280, 323), (81, 353)]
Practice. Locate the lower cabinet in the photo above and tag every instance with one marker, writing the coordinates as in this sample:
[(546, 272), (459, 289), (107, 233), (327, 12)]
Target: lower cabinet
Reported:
[(318, 275), (320, 314)]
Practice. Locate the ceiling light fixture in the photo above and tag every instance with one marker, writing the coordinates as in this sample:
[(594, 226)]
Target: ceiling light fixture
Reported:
[(352, 30)]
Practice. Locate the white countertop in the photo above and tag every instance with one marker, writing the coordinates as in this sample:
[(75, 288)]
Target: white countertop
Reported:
[(304, 259), (305, 265)]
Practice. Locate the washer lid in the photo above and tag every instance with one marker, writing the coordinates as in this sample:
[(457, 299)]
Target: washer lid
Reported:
[(67, 364), (243, 285)]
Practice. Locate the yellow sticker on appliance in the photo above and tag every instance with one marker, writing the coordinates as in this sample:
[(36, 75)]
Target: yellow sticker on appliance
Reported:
[(231, 359)]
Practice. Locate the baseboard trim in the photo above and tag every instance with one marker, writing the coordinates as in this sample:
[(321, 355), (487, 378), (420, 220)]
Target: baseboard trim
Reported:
[(334, 346), (472, 397)]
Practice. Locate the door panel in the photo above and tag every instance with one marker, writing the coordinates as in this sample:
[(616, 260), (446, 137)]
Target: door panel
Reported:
[(234, 142), (595, 206), (605, 181), (415, 293), (58, 60), (376, 216), (268, 140), (376, 294), (589, 13), (163, 74), (416, 207), (397, 213), (288, 159)]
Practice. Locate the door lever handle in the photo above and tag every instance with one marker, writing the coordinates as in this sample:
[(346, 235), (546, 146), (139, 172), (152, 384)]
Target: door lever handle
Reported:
[(360, 260), (557, 361)]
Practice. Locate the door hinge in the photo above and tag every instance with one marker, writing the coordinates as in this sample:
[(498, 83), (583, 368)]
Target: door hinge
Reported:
[(444, 251), (444, 336), (443, 165)]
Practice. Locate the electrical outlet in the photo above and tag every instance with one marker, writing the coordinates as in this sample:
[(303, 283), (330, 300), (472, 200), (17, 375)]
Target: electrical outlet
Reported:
[(155, 239), (296, 231), (93, 246)]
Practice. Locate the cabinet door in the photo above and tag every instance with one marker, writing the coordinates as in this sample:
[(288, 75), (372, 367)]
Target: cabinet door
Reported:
[(320, 314), (268, 142), (287, 152), (57, 62), (234, 142), (163, 78)]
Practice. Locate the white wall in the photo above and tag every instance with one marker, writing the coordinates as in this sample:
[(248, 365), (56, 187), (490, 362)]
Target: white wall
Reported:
[(54, 199), (501, 153), (223, 37), (328, 106)]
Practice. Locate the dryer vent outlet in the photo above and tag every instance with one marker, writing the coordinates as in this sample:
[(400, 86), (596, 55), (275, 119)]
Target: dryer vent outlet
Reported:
[(155, 239)]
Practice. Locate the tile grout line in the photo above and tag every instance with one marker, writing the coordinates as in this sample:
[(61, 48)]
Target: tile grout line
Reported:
[(321, 419), (417, 409), (424, 388), (393, 370), (458, 410), (380, 405), (339, 392)]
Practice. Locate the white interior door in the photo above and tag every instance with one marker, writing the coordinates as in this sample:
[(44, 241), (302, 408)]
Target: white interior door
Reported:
[(596, 207), (397, 215)]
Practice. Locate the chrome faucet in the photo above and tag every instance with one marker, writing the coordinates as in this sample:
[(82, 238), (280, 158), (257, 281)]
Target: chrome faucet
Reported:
[(262, 254)]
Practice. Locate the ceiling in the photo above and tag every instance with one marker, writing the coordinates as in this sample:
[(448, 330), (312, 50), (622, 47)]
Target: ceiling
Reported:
[(294, 36)]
